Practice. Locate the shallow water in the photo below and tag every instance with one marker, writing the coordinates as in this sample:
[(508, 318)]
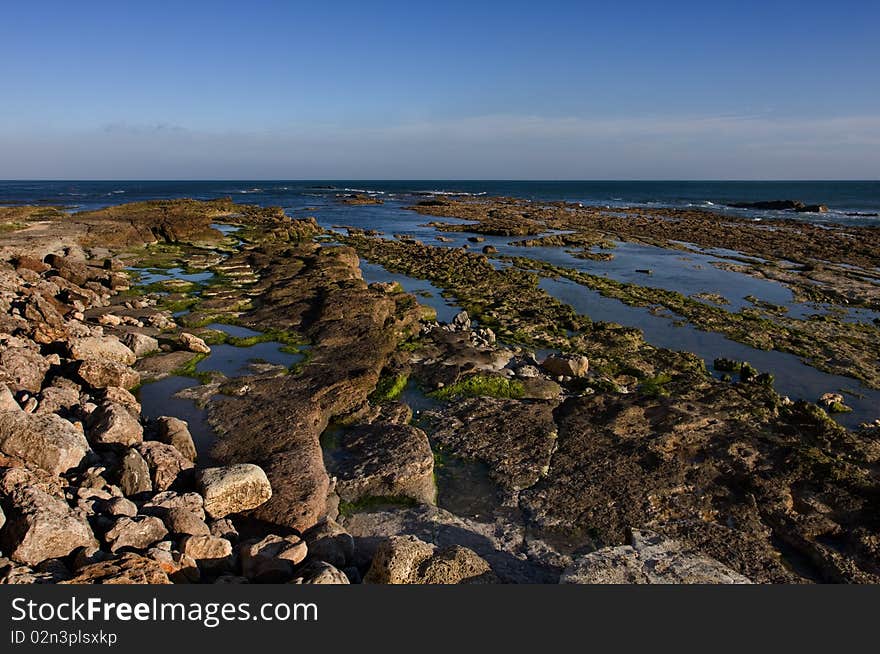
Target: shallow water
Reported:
[(159, 399), (793, 377), (148, 276), (426, 292)]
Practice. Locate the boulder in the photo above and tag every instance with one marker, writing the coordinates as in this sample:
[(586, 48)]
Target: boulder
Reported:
[(385, 460), (649, 559), (165, 462), (58, 400), (119, 395), (101, 347), (114, 424), (193, 343), (161, 503), (210, 552), (7, 400), (40, 526), (140, 344), (273, 558), (233, 489), (130, 568), (409, 560), (102, 373), (138, 533), (567, 365), (119, 507), (319, 572), (183, 522), (44, 441), (330, 543), (175, 432), (23, 369), (134, 474), (224, 529)]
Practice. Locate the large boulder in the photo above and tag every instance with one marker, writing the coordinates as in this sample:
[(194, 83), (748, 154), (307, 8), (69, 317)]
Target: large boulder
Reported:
[(649, 559), (140, 344), (165, 462), (40, 526), (103, 373), (175, 432), (23, 369), (233, 489), (114, 424), (385, 460), (408, 560), (101, 347), (44, 441), (130, 568)]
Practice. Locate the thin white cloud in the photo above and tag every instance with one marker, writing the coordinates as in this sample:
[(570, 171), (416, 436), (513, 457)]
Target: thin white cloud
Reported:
[(495, 146)]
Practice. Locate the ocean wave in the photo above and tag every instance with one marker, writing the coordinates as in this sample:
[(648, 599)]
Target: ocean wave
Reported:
[(439, 192), (363, 190)]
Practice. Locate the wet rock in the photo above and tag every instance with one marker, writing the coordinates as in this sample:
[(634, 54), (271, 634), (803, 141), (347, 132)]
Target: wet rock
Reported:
[(23, 369), (489, 249), (320, 572), (210, 552), (385, 460), (138, 533), (181, 521), (101, 373), (114, 424), (272, 559), (408, 560), (175, 432), (567, 365), (233, 489), (134, 476), (130, 568), (101, 347), (140, 344), (45, 441), (166, 464), (40, 527), (193, 343), (649, 559)]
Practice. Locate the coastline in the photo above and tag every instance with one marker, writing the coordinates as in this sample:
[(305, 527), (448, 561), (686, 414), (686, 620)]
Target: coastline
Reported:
[(588, 439)]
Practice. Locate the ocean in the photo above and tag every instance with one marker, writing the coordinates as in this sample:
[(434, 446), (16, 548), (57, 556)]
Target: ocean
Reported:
[(844, 198)]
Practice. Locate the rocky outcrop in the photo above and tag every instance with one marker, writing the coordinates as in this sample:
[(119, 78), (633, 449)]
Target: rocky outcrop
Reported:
[(649, 559)]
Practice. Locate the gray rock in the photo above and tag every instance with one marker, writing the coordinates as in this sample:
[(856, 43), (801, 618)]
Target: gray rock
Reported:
[(175, 432), (649, 559), (233, 489), (134, 476), (140, 344), (44, 441), (139, 533), (113, 423)]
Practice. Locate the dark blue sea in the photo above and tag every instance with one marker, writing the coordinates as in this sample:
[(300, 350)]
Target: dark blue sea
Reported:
[(843, 198)]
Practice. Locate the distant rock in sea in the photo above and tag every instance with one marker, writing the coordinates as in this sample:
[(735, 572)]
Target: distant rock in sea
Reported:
[(781, 205)]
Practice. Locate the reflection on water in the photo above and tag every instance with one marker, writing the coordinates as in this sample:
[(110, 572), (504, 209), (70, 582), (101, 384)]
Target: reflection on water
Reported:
[(159, 399), (426, 292)]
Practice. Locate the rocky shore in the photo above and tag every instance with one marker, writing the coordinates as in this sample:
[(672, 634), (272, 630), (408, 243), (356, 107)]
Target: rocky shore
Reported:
[(520, 442)]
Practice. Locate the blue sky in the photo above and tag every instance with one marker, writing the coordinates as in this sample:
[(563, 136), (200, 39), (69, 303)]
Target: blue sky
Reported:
[(452, 90)]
